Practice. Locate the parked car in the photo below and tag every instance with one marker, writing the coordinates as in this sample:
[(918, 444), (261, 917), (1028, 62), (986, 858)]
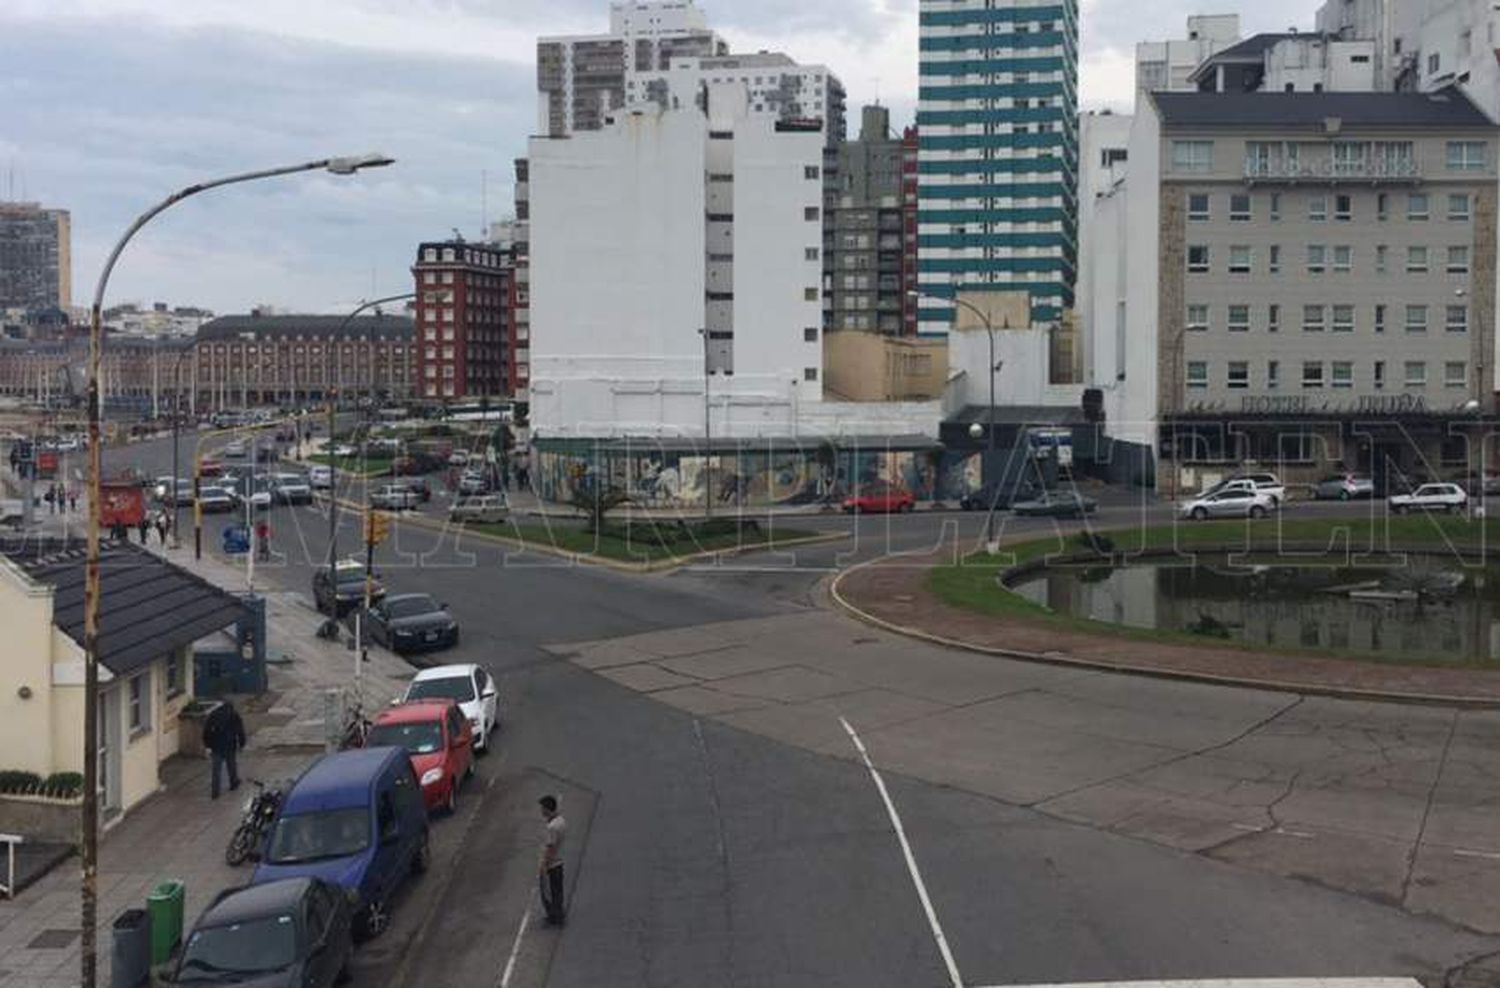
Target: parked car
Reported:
[(344, 588), (473, 482), (236, 449), (1006, 495), (458, 458), (1344, 487), (215, 500), (417, 463), (258, 498), (488, 508), (394, 497), (1237, 502), (411, 622), (266, 453), (468, 685), (420, 487), (1261, 483), (282, 934), (879, 496), (1057, 504), (320, 478), (1430, 497), (210, 468), (290, 488), (1472, 484), (437, 737), (355, 818), (344, 450)]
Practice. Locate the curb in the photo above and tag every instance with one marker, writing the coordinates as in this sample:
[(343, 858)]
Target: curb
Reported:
[(1156, 672)]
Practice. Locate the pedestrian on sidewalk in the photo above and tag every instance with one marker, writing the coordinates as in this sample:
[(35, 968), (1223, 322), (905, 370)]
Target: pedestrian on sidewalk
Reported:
[(224, 736), (73, 499), (51, 497), (144, 527), (262, 540), (162, 524), (550, 877)]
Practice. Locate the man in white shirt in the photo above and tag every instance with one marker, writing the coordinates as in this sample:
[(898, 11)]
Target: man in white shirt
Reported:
[(550, 876)]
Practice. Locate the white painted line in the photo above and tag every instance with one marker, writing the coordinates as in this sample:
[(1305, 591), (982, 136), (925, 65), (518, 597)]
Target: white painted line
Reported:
[(911, 861), (1466, 853), (515, 950)]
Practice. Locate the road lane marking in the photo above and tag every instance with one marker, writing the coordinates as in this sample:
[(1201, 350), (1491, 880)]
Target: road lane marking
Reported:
[(515, 950), (911, 861), (1466, 853)]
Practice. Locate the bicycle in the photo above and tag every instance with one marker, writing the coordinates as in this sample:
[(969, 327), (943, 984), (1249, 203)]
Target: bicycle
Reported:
[(356, 729), (260, 812)]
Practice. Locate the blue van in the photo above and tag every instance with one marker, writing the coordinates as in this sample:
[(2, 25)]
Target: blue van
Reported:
[(356, 819)]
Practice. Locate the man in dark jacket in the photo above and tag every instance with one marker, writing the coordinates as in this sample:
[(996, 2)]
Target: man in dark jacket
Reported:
[(224, 736)]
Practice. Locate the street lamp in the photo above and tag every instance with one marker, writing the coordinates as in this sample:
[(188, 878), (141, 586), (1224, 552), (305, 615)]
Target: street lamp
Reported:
[(989, 328), (88, 959), (176, 426)]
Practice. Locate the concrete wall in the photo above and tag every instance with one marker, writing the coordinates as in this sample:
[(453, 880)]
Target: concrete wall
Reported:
[(1131, 406), (864, 366), (25, 724)]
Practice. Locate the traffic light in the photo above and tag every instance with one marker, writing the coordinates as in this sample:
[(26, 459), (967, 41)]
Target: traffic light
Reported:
[(377, 527)]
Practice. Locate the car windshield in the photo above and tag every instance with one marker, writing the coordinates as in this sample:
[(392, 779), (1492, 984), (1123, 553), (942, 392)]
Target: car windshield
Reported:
[(410, 606), (421, 738), (316, 836), (351, 574), (459, 688), (234, 950)]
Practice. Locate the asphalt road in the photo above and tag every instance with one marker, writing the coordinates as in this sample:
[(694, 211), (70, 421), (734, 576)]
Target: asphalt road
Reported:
[(704, 855)]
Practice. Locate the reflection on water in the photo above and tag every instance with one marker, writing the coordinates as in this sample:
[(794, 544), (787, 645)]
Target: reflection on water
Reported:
[(1423, 609)]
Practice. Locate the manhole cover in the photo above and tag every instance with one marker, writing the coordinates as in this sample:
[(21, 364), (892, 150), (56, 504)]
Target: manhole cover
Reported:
[(52, 939)]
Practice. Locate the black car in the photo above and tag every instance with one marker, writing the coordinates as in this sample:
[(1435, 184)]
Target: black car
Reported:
[(1055, 504), (410, 622), (984, 497), (345, 590), (292, 932)]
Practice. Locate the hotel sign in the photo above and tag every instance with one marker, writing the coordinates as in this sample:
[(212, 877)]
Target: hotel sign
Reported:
[(1395, 404)]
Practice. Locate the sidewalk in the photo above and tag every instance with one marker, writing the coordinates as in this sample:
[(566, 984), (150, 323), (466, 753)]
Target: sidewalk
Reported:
[(180, 833)]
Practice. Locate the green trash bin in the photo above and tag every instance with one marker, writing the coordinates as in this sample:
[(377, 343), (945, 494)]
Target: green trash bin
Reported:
[(164, 905)]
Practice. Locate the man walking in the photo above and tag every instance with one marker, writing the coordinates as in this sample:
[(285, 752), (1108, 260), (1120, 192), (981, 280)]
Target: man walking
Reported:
[(224, 736), (550, 876)]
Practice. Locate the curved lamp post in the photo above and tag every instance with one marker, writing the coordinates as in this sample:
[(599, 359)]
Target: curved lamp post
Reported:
[(88, 961)]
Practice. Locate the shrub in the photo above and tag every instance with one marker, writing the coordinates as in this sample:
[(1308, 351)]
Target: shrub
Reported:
[(1094, 542), (64, 783), (12, 780)]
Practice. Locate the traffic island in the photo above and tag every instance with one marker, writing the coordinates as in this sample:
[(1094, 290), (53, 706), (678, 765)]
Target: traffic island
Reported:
[(970, 602)]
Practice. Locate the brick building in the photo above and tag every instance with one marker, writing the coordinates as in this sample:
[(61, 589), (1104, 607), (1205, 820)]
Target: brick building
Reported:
[(465, 311)]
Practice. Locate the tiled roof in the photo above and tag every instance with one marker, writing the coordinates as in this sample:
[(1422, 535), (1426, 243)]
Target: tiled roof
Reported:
[(1445, 110)]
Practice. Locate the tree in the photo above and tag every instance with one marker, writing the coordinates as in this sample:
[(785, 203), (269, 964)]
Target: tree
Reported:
[(596, 502)]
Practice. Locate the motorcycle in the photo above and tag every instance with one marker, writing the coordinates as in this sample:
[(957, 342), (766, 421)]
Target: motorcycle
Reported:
[(356, 730), (260, 813)]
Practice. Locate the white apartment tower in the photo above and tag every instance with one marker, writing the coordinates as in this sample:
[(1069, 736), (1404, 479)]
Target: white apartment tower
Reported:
[(1167, 65)]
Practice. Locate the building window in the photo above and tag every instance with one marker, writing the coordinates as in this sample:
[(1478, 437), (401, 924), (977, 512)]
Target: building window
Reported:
[(1239, 259), (1273, 318), (1416, 373), (1317, 208), (173, 670), (1380, 318), (1275, 205), (1457, 320), (1239, 375), (1273, 374), (1455, 374), (1316, 258), (139, 703), (810, 253), (1343, 318), (809, 373), (1313, 319), (1343, 258), (810, 294), (810, 334), (1416, 318), (1312, 373), (1341, 374), (810, 213), (1197, 258), (1198, 206), (1458, 205), (1192, 156), (1239, 319), (1382, 207), (1465, 156), (1416, 206), (1343, 207), (811, 172), (1382, 258), (1379, 377), (1274, 264), (1458, 260), (1197, 375), (1239, 208), (1197, 318), (1416, 260)]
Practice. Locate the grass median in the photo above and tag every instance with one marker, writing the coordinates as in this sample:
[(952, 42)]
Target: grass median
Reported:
[(972, 584), (646, 541), (358, 466)]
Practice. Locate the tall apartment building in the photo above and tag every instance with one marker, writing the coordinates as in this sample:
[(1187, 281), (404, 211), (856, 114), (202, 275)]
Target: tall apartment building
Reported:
[(464, 306), (520, 319), (36, 257), (1167, 65), (910, 152), (864, 233), (1309, 283), (998, 159)]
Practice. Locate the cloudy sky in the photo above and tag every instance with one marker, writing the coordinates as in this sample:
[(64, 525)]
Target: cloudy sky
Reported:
[(107, 105)]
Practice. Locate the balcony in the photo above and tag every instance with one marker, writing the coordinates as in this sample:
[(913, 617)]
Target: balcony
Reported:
[(1327, 171)]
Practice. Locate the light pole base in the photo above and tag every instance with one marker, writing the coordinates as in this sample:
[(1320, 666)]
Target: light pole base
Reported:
[(992, 548)]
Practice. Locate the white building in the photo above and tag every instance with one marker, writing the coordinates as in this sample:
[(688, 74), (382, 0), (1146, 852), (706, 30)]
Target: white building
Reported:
[(1290, 62), (1167, 65), (777, 87), (1104, 140)]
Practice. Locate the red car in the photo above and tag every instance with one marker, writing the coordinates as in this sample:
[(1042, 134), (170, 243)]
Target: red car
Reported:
[(210, 468), (879, 496), (437, 736)]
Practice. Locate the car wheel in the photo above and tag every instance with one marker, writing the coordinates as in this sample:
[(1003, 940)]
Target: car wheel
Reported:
[(374, 919), (1199, 514), (450, 804), (1343, 495), (1256, 511), (423, 860)]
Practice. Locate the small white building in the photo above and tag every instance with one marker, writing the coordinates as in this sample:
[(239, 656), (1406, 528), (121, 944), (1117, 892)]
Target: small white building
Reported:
[(1167, 65)]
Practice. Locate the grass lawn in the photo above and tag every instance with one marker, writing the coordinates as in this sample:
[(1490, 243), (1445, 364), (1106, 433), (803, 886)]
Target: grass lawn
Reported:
[(971, 584), (621, 543), (367, 466)]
